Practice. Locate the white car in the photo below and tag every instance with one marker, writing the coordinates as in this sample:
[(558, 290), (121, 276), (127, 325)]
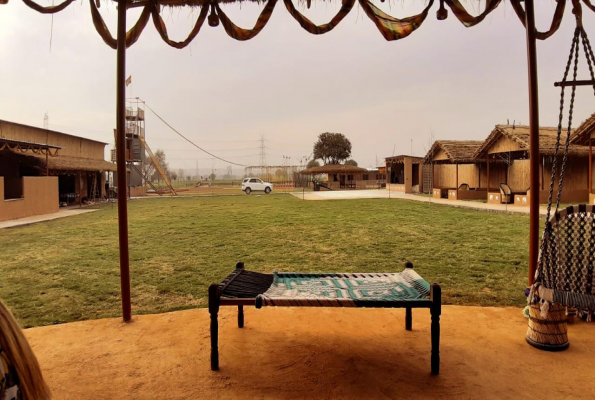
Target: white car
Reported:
[(251, 184)]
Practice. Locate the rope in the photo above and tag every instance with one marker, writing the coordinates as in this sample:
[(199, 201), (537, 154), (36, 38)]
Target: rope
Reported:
[(546, 273), (547, 228), (190, 141), (570, 112)]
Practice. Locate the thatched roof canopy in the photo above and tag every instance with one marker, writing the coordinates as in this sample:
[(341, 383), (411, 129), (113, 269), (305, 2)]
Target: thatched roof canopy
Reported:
[(584, 131), (453, 152), (26, 146), (63, 163), (519, 135), (401, 159), (334, 169)]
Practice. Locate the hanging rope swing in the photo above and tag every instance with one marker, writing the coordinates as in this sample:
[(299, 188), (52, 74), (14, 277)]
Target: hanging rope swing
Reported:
[(564, 276)]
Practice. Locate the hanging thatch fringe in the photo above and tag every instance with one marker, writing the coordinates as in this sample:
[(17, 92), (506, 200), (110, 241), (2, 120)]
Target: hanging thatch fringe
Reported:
[(556, 21), (238, 33), (160, 26), (48, 9), (588, 4), (390, 27), (131, 36), (468, 20), (319, 29)]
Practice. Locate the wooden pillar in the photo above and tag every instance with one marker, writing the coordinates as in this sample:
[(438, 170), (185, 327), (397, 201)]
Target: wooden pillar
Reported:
[(590, 186), (121, 163), (433, 177), (542, 173), (534, 137), (488, 171), (457, 177), (80, 188)]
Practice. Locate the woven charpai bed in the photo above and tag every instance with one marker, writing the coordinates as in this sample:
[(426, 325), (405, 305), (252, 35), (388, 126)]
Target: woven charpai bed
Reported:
[(405, 289)]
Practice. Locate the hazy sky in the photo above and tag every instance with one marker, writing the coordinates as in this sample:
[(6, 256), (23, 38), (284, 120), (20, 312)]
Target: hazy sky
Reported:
[(287, 84)]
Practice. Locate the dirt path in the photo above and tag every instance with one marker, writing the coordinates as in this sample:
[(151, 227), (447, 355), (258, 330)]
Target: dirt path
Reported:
[(312, 353)]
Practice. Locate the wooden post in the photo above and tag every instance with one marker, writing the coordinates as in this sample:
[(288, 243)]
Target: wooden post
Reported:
[(408, 318), (457, 178), (433, 179), (542, 173), (435, 311), (121, 162), (488, 172), (214, 311), (240, 316), (590, 186), (534, 137)]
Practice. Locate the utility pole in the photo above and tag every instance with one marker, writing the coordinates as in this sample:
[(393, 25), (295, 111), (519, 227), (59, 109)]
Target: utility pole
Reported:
[(263, 156)]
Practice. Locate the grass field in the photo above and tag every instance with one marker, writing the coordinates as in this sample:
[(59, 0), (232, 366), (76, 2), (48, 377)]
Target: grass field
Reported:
[(67, 270)]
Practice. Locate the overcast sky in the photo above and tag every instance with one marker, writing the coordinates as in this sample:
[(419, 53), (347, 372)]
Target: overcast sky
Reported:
[(285, 84)]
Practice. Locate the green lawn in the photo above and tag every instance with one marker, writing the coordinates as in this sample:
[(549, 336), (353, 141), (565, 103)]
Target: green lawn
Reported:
[(67, 270)]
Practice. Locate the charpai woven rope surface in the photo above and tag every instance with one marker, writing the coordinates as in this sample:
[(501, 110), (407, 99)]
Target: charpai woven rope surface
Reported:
[(343, 290)]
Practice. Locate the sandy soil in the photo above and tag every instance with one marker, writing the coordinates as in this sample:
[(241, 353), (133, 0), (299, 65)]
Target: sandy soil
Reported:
[(312, 353)]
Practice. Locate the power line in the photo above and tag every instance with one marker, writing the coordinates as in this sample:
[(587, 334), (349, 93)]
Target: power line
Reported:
[(190, 141)]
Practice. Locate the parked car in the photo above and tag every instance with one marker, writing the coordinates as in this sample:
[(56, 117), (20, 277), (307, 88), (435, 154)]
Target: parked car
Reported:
[(251, 184)]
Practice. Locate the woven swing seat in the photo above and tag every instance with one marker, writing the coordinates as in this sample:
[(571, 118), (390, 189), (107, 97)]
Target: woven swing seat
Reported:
[(568, 259), (565, 277), (405, 289)]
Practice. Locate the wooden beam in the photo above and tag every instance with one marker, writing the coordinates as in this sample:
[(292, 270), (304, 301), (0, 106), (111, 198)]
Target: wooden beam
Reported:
[(590, 186), (488, 172), (534, 137), (574, 83), (121, 163)]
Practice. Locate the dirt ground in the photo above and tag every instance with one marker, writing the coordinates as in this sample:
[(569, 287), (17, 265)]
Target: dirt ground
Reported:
[(312, 353)]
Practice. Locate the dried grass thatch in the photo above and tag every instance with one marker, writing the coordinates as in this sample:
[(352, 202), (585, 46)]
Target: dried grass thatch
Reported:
[(457, 151), (401, 159), (334, 169), (584, 131), (63, 163), (520, 135)]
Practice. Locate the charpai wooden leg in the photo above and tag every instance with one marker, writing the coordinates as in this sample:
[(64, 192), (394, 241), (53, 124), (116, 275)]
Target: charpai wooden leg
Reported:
[(408, 318), (214, 311), (240, 316), (435, 311)]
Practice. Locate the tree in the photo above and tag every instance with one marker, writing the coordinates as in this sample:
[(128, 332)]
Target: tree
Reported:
[(180, 173), (351, 162), (212, 177), (312, 164), (148, 168), (173, 175), (281, 174), (160, 156), (332, 148)]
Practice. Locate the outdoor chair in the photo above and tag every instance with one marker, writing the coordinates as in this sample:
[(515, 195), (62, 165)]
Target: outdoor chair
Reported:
[(506, 195)]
